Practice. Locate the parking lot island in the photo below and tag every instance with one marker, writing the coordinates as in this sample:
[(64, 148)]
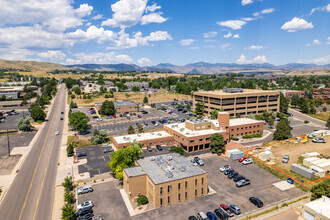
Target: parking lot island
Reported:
[(165, 179)]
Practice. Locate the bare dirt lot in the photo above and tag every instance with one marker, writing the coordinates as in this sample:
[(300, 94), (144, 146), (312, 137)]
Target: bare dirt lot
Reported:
[(296, 150)]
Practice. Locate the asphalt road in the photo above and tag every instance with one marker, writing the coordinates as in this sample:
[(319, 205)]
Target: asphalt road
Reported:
[(302, 117), (31, 194)]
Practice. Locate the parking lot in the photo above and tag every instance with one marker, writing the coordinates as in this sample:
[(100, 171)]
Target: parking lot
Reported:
[(10, 121), (226, 192), (96, 160), (21, 139)]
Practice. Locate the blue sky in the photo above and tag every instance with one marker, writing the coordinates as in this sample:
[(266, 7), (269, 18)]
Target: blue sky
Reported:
[(166, 31)]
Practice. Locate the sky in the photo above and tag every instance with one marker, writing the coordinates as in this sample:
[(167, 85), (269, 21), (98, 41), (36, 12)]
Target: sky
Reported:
[(147, 32)]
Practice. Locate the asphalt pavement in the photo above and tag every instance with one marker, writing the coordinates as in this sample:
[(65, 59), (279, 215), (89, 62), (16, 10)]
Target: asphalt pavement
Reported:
[(31, 194)]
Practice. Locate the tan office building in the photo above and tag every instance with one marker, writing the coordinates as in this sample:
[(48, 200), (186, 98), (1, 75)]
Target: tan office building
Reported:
[(318, 209), (126, 107), (165, 179), (238, 101)]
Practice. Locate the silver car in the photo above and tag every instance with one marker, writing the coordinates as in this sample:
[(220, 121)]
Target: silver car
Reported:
[(85, 189)]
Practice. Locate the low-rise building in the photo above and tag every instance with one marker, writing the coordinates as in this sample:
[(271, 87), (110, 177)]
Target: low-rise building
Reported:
[(141, 85), (11, 92), (165, 179), (92, 87), (318, 209), (126, 107), (290, 93), (323, 93)]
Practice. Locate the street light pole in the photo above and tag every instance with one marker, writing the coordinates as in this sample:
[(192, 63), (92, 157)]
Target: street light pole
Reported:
[(8, 144)]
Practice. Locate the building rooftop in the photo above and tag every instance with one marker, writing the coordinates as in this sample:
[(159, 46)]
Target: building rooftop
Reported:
[(181, 128), (12, 89), (321, 206), (165, 168), (245, 92), (242, 121), (141, 137), (123, 103)]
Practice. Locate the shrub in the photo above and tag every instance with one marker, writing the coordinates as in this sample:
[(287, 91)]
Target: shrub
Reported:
[(234, 138), (258, 135), (67, 184), (69, 150), (69, 196), (306, 121), (142, 200), (68, 212), (177, 149)]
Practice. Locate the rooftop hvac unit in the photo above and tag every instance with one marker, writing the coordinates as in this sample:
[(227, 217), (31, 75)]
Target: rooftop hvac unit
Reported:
[(169, 174), (159, 134), (182, 168), (181, 129), (159, 159), (152, 158), (152, 133), (170, 168), (139, 135), (169, 158)]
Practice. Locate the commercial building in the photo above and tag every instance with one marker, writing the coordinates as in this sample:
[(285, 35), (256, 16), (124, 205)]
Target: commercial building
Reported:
[(165, 179), (318, 209), (290, 93), (92, 87), (141, 85), (126, 107), (238, 102), (323, 93), (11, 92), (194, 135)]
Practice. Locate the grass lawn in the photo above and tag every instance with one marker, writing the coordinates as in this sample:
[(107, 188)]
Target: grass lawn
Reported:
[(322, 116)]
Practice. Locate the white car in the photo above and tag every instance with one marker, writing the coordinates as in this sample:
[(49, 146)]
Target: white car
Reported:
[(99, 119), (156, 124), (247, 161), (193, 162), (85, 204), (106, 145), (57, 132), (224, 168)]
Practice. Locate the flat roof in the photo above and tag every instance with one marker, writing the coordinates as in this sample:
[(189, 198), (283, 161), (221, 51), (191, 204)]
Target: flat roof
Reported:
[(321, 206), (245, 92), (123, 103), (134, 171), (141, 137), (242, 121), (181, 128), (166, 168)]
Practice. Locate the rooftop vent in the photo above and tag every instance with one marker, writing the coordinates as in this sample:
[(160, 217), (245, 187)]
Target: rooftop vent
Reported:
[(169, 174), (233, 90), (159, 160), (152, 158), (152, 133), (159, 134), (182, 168), (169, 158)]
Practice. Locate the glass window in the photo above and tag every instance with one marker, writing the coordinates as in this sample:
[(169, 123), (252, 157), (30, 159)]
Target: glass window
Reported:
[(179, 197), (179, 186), (161, 190), (168, 200), (202, 180), (195, 192), (195, 182), (185, 195), (186, 184), (168, 188), (202, 191), (161, 201)]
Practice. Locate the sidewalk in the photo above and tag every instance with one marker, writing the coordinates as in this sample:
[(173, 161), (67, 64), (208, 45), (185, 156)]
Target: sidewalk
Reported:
[(317, 121)]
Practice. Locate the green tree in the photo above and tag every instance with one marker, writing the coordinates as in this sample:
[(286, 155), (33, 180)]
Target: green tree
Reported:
[(318, 101), (321, 189), (217, 144), (69, 196), (24, 102), (136, 89), (99, 137), (295, 100), (312, 110), (140, 128), (73, 105), (188, 107), (70, 150), (271, 122), (283, 130), (324, 109), (107, 108), (304, 107), (130, 130), (177, 149), (328, 123), (125, 158), (214, 114), (24, 124), (199, 108), (37, 113), (68, 183), (68, 212), (78, 121), (145, 100), (142, 200), (77, 90), (284, 104)]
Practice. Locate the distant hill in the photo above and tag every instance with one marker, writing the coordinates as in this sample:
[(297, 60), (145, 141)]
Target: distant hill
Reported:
[(31, 65), (107, 67)]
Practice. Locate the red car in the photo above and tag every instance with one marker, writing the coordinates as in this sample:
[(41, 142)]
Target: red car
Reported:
[(242, 159), (227, 210), (114, 116), (91, 109)]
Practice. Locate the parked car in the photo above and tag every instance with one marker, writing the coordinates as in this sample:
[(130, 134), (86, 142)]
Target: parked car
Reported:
[(226, 209), (105, 145), (234, 208), (57, 133), (199, 161), (193, 162), (82, 154), (149, 148), (88, 216), (257, 202), (211, 216), (242, 159), (202, 216), (192, 218), (107, 150), (243, 182), (319, 140), (139, 116), (99, 119), (286, 159), (289, 180), (247, 161), (146, 123), (232, 175), (85, 189), (84, 211), (144, 112), (85, 204), (156, 124), (224, 168), (184, 111), (159, 147), (221, 214), (238, 178), (227, 172)]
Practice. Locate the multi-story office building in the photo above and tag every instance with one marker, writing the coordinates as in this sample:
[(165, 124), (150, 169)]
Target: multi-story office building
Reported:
[(126, 107), (194, 135), (239, 102), (165, 179)]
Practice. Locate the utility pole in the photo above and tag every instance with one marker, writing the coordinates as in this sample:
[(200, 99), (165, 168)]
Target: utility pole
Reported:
[(8, 143)]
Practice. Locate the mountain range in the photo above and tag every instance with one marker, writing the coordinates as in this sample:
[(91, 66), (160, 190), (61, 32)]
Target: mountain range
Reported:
[(197, 68)]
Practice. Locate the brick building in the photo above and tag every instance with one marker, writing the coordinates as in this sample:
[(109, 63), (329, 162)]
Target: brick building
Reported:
[(290, 93), (165, 179), (194, 135), (323, 93), (239, 102), (126, 107)]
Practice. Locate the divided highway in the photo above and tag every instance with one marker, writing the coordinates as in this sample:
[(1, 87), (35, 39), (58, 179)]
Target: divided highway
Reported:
[(32, 193)]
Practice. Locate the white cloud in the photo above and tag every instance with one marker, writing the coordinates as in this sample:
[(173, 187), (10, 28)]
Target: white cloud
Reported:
[(159, 36), (88, 24), (225, 46), (103, 58), (324, 8), (193, 48), (255, 14), (144, 61), (236, 36), (321, 60), (296, 24), (97, 17), (246, 2), (127, 13), (258, 59), (256, 47), (53, 55), (316, 42), (227, 35), (267, 10), (233, 24), (84, 10), (186, 42), (248, 19), (210, 34), (93, 33), (72, 61), (328, 40)]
